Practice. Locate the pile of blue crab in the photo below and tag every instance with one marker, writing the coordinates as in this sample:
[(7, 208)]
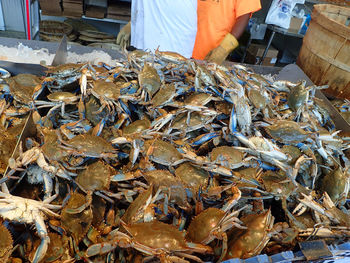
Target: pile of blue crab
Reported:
[(160, 158), (343, 106)]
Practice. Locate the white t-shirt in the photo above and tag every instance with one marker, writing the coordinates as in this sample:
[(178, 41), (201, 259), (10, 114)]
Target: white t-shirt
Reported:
[(170, 25)]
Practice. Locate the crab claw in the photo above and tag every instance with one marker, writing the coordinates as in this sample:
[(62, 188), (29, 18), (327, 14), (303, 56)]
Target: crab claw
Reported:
[(83, 82), (99, 249), (45, 240), (199, 248)]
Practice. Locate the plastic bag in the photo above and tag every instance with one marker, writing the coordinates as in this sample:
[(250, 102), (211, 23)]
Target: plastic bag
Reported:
[(305, 25), (280, 12)]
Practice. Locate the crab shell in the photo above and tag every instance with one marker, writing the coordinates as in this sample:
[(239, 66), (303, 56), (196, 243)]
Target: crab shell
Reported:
[(65, 69), (192, 176), (175, 188), (297, 96), (227, 156), (196, 120), (251, 241), (205, 75), (75, 222), (50, 147), (91, 108), (171, 57), (5, 243), (134, 212), (64, 96), (96, 176), (136, 127), (105, 89), (287, 131), (291, 151), (198, 99), (277, 183), (163, 95), (163, 152), (158, 235), (7, 145), (257, 99), (24, 87), (90, 145), (336, 184), (149, 80), (202, 224)]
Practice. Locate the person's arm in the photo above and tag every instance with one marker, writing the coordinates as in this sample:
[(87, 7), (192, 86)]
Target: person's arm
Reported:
[(240, 25), (230, 42), (123, 38)]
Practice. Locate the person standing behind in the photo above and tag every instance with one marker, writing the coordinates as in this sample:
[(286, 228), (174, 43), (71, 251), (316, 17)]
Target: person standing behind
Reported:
[(220, 24), (167, 25)]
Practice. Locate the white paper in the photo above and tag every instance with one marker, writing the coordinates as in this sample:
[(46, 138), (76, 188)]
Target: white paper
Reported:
[(280, 12)]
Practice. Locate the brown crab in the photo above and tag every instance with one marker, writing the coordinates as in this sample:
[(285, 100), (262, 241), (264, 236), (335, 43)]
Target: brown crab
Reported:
[(287, 131), (5, 243), (96, 178), (141, 209), (154, 239), (90, 146), (192, 176), (246, 243), (227, 157), (24, 88), (149, 80), (170, 185), (76, 216), (213, 223), (162, 152), (107, 93)]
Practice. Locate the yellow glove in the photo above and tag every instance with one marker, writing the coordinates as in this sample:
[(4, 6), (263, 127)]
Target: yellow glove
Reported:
[(219, 54), (123, 38)]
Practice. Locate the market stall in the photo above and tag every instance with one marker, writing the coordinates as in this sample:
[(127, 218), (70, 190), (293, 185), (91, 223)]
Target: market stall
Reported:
[(110, 156)]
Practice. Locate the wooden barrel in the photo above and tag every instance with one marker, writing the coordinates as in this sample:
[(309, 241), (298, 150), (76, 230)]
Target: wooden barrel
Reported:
[(338, 2), (325, 53)]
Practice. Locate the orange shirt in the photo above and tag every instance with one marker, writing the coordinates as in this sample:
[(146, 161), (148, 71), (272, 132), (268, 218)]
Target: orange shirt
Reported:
[(216, 18)]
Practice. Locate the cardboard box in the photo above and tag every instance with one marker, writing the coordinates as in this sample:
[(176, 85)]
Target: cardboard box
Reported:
[(119, 11), (255, 52), (52, 7), (100, 3), (72, 8), (95, 11), (295, 25)]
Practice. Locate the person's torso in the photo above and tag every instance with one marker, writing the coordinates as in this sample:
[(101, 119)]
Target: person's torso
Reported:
[(215, 19), (167, 24)]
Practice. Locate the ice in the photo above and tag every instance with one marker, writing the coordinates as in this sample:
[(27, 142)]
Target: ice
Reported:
[(25, 54)]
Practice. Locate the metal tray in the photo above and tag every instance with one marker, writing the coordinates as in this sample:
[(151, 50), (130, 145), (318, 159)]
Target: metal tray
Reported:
[(291, 72)]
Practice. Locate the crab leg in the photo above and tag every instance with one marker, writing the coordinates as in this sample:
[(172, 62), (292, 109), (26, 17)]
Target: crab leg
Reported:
[(7, 208), (236, 196), (48, 185), (51, 111), (224, 247), (100, 249), (181, 260), (45, 240)]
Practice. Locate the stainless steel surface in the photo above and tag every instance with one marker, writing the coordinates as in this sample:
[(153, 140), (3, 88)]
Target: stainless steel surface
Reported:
[(279, 30), (18, 68), (314, 250), (290, 72), (258, 31), (284, 31), (61, 53), (293, 73), (52, 46), (29, 130), (267, 47)]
